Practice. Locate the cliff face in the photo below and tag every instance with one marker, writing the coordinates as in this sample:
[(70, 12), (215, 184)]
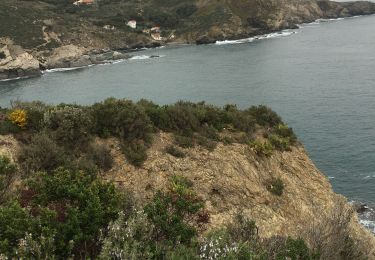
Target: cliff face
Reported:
[(233, 178)]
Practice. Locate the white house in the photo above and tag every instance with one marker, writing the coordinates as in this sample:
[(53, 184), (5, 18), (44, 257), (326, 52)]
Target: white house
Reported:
[(132, 24)]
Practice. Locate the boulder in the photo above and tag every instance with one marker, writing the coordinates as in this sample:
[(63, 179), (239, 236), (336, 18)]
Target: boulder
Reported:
[(15, 63)]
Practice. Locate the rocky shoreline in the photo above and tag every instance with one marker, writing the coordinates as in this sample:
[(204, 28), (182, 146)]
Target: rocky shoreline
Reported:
[(16, 62)]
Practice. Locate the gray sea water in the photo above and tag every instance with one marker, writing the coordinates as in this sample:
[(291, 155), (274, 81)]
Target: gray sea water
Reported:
[(319, 78)]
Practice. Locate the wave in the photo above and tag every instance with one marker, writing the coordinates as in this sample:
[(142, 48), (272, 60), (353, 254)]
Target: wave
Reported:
[(66, 69), (146, 57), (366, 215), (261, 37), (369, 224)]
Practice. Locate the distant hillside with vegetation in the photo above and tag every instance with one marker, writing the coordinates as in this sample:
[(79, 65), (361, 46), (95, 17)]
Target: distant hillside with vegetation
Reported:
[(28, 22)]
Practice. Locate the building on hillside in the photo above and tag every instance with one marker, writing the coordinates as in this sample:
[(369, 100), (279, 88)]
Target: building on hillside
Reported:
[(156, 36), (155, 29), (109, 27), (132, 24)]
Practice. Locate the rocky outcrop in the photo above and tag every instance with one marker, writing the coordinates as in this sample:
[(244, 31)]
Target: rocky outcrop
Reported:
[(72, 56), (233, 178), (16, 63)]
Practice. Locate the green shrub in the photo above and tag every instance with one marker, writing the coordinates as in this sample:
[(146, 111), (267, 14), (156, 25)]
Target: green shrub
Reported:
[(279, 143), (262, 148), (285, 132), (206, 143), (242, 229), (139, 234), (70, 126), (175, 151), (41, 154), (7, 175), (135, 152), (276, 186), (81, 206), (122, 118), (169, 212), (296, 249), (184, 141), (15, 222), (186, 10), (7, 127), (100, 154), (35, 113), (264, 116)]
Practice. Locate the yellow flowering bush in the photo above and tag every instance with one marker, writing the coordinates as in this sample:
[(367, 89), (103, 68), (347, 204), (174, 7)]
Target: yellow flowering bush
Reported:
[(18, 117)]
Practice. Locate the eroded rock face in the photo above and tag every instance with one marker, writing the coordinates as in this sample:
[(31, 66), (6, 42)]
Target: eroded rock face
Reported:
[(72, 56), (15, 62), (233, 178)]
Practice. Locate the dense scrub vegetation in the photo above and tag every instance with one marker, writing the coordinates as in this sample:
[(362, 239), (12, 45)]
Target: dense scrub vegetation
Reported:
[(64, 135), (54, 205)]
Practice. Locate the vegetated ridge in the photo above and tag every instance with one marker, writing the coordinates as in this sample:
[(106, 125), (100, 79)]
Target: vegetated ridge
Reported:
[(127, 180)]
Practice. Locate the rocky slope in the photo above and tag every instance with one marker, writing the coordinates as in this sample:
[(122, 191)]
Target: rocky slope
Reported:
[(233, 178), (59, 34)]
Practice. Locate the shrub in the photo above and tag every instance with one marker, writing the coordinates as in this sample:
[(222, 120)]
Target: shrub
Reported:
[(296, 249), (15, 222), (122, 118), (35, 113), (18, 117), (276, 186), (42, 154), (169, 212), (279, 143), (129, 238), (264, 116), (206, 143), (262, 148), (70, 126), (7, 175), (184, 141), (175, 151), (135, 152), (7, 127), (243, 229), (100, 154), (285, 132), (186, 10), (81, 206)]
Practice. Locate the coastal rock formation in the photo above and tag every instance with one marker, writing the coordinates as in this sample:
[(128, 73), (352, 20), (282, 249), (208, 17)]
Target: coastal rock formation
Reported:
[(16, 63), (233, 178)]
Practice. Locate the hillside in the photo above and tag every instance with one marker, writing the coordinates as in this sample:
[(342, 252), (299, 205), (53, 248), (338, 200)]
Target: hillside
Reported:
[(185, 177), (42, 27)]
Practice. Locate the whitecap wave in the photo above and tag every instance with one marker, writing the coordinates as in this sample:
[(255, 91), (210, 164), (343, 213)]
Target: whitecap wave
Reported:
[(66, 69), (140, 57), (261, 37), (4, 80), (369, 224), (146, 57)]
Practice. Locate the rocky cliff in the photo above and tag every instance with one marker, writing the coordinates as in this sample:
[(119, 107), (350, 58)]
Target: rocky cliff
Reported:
[(45, 28), (233, 178)]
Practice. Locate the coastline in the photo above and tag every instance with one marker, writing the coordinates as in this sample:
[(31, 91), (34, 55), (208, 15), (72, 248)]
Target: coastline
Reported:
[(107, 57)]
